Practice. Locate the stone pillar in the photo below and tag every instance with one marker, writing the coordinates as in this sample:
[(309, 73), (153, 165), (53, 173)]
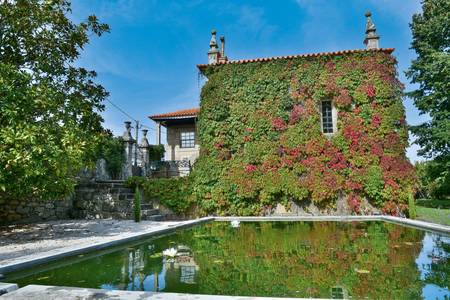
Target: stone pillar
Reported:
[(158, 133), (372, 40), (223, 58), (213, 53), (128, 142), (144, 148)]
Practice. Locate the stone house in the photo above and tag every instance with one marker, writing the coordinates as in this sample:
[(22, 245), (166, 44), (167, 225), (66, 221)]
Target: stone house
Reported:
[(182, 147), (324, 131), (181, 139)]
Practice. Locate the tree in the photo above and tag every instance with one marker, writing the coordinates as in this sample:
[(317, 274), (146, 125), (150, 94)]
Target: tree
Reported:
[(431, 71), (49, 107), (434, 182)]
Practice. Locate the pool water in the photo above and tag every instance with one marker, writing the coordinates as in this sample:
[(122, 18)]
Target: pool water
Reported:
[(374, 260)]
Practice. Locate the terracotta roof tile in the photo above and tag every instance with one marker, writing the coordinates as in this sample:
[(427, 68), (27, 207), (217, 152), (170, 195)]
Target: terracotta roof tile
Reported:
[(191, 112), (243, 61)]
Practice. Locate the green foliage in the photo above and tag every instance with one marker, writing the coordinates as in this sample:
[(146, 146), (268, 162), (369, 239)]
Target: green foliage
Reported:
[(111, 149), (137, 205), (173, 193), (433, 203), (374, 183), (156, 152), (434, 179), (412, 211), (261, 140), (135, 181), (431, 72), (49, 120)]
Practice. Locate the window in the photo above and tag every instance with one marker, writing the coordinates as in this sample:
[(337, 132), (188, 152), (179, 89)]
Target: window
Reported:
[(327, 117), (188, 139)]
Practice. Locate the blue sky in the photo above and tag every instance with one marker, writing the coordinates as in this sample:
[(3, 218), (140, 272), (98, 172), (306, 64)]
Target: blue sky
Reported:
[(148, 61)]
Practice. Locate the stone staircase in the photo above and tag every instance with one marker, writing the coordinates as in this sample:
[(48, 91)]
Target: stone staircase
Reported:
[(149, 213)]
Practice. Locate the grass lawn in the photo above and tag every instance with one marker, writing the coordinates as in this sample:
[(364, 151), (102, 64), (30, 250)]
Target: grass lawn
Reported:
[(435, 211)]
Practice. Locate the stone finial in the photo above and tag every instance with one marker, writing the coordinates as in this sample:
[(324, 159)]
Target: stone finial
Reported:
[(372, 39), (127, 134), (222, 57), (144, 141), (213, 53), (213, 41)]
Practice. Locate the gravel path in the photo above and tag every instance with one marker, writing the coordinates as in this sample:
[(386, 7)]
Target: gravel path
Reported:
[(17, 241)]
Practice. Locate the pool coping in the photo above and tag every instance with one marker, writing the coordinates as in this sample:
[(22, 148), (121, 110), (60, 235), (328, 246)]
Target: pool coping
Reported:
[(47, 292), (390, 219)]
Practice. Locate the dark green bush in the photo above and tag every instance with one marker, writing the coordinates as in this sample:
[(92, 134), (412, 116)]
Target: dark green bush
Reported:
[(431, 203), (137, 205), (156, 152), (135, 181), (111, 149), (173, 193)]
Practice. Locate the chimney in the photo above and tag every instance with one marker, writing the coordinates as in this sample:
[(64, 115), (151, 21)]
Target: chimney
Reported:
[(372, 39), (213, 53), (222, 57)]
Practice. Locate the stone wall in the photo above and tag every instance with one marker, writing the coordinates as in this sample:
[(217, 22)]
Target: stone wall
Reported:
[(308, 208), (173, 151), (90, 200), (34, 210), (101, 200)]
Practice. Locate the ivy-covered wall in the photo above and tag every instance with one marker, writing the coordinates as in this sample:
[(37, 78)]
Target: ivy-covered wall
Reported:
[(261, 140)]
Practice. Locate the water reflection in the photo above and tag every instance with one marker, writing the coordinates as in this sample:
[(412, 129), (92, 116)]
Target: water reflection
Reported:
[(285, 259), (434, 266)]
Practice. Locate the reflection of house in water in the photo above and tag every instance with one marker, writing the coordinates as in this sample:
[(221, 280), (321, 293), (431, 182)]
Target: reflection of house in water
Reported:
[(146, 269), (140, 270), (184, 263), (339, 292)]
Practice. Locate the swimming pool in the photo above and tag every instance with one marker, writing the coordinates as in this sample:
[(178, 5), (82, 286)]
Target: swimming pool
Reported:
[(373, 259)]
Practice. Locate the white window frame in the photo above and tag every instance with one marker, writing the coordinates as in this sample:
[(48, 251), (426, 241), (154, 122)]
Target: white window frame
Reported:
[(334, 115), (187, 139)]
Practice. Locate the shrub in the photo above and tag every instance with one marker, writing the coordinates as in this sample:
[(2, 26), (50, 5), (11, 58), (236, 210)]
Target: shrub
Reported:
[(412, 212), (173, 193), (135, 181), (156, 152), (111, 149), (137, 205)]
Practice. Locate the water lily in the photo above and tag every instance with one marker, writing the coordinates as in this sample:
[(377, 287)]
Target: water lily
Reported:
[(171, 252), (235, 223)]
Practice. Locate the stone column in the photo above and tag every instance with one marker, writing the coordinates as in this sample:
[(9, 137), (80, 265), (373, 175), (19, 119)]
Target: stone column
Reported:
[(158, 133), (128, 142), (144, 148), (372, 40)]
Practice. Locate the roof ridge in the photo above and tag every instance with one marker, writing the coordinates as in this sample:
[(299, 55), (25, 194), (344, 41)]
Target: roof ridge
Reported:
[(178, 113), (263, 59)]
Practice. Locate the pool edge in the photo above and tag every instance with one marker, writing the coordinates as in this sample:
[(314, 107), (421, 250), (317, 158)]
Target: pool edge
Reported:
[(390, 219), (34, 291)]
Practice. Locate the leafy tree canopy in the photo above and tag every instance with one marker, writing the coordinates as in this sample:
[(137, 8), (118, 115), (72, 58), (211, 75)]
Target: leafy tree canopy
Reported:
[(431, 71), (49, 107)]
